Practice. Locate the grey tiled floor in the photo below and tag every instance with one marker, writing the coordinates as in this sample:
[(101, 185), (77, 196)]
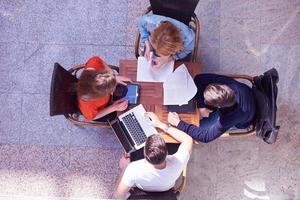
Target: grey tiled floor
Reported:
[(49, 158)]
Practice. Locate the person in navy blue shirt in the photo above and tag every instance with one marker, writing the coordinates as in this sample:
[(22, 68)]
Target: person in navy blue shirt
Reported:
[(232, 101)]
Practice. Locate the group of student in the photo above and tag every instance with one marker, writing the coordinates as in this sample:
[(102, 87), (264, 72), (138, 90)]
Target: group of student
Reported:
[(225, 103)]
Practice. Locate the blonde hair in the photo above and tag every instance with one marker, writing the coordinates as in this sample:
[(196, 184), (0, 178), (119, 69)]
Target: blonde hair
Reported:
[(93, 84), (218, 95), (167, 39)]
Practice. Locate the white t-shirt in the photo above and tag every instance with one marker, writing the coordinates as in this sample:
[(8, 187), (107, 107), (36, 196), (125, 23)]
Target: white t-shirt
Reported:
[(143, 175)]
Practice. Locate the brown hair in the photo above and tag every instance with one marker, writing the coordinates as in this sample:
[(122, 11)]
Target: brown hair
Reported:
[(93, 84), (155, 150), (218, 95), (167, 39)]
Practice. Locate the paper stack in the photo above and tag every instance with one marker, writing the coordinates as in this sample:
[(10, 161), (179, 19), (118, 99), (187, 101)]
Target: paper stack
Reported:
[(179, 88), (147, 73)]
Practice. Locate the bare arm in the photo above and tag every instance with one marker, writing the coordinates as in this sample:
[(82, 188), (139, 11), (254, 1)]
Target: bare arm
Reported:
[(185, 140), (104, 111), (118, 105), (121, 191)]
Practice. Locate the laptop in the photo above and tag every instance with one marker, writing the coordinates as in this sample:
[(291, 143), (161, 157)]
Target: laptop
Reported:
[(132, 128)]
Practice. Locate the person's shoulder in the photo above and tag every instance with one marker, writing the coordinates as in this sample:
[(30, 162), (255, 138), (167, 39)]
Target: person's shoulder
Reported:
[(137, 163), (182, 155), (153, 18)]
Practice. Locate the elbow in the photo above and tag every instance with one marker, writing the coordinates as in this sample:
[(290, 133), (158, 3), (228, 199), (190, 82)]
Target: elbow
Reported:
[(190, 139)]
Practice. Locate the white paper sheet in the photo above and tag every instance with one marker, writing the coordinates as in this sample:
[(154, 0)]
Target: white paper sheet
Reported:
[(179, 88), (146, 73)]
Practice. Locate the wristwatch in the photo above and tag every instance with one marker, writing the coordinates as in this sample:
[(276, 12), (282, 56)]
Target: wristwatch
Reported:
[(166, 127)]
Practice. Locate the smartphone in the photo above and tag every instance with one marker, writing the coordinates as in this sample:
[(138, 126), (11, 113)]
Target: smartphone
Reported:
[(132, 94)]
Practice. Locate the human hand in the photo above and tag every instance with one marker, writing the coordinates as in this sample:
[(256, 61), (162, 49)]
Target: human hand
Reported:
[(173, 118), (160, 61), (154, 119), (122, 80), (147, 50), (204, 112), (124, 161), (156, 63), (120, 105)]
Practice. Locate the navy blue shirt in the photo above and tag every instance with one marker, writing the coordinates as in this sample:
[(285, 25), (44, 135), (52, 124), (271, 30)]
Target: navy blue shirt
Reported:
[(240, 115)]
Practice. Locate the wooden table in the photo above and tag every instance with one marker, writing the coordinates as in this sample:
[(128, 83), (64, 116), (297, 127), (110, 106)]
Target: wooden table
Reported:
[(151, 94)]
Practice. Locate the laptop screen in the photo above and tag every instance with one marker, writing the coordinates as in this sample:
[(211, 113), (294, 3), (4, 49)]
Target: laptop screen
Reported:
[(122, 135)]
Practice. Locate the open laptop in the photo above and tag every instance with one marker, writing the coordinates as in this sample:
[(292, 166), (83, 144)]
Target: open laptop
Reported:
[(132, 128)]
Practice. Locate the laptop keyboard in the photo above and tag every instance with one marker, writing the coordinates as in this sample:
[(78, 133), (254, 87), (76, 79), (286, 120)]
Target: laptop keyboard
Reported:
[(134, 128)]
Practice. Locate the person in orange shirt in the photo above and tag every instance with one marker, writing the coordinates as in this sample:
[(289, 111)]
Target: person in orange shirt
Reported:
[(95, 85)]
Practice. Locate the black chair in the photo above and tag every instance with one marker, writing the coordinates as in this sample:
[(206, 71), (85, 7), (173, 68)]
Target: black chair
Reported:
[(63, 97), (181, 10), (171, 194)]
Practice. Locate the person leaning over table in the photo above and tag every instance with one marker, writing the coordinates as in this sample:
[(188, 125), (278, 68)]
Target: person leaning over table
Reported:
[(233, 101), (158, 171), (166, 38), (94, 88)]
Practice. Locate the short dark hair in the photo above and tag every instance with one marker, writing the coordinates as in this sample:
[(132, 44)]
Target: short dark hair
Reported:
[(155, 150), (218, 95)]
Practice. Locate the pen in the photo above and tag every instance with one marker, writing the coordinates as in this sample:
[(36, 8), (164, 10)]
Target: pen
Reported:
[(151, 55)]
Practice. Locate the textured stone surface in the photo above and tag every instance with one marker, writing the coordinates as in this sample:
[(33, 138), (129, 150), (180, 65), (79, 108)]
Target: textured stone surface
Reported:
[(49, 172), (134, 9), (203, 167), (208, 13), (210, 59), (111, 54), (11, 119), (94, 137), (241, 8), (44, 157), (280, 22), (37, 127)]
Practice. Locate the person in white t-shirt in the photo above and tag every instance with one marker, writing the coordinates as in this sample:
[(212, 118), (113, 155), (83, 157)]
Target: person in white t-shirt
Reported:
[(157, 172)]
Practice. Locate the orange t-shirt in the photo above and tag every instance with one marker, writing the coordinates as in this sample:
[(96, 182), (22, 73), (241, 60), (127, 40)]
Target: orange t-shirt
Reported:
[(90, 108)]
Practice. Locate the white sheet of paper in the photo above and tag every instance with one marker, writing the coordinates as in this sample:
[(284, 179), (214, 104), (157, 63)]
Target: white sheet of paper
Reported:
[(179, 87), (146, 73)]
